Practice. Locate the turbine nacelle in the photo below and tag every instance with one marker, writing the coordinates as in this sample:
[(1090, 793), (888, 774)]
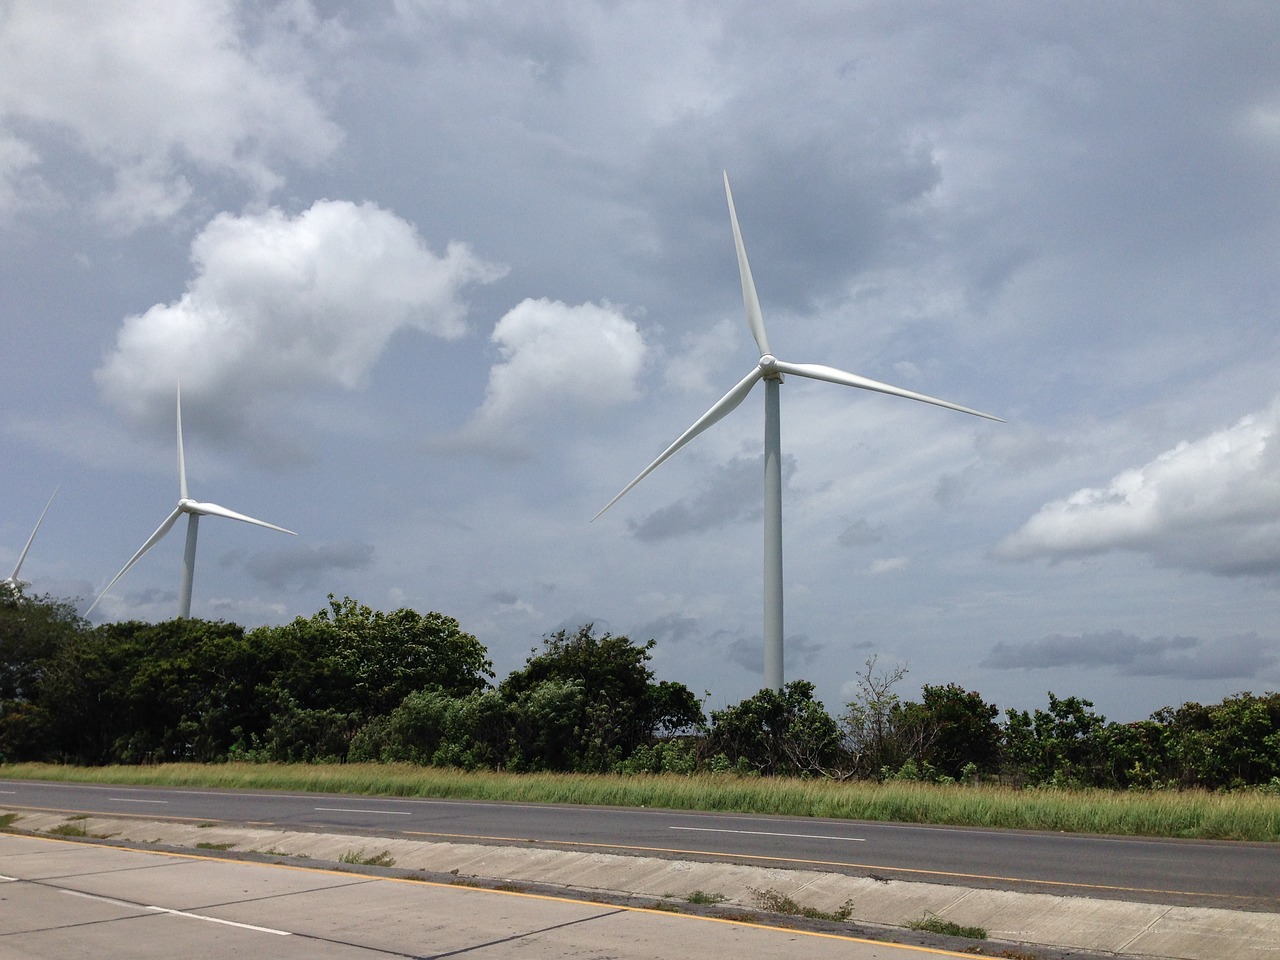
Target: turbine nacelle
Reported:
[(769, 368)]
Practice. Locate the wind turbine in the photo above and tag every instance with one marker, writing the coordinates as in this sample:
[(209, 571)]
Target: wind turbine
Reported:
[(12, 580), (194, 509), (771, 370)]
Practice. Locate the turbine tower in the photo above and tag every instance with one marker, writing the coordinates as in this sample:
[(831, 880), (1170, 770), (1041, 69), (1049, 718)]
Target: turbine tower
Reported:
[(12, 580), (194, 509), (771, 370)]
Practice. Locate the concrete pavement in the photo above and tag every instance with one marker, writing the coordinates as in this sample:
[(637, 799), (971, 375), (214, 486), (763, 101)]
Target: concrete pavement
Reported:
[(1060, 925), (62, 899)]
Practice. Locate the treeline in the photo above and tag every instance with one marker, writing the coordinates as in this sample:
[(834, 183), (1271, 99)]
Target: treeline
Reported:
[(353, 684)]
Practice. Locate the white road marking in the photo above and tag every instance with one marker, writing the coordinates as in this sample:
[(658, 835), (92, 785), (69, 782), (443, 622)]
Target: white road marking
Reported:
[(94, 896), (178, 913), (131, 800), (229, 923), (385, 813), (765, 833), (4, 879)]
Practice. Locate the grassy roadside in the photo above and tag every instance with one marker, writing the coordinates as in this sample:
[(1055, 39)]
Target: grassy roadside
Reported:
[(1186, 814)]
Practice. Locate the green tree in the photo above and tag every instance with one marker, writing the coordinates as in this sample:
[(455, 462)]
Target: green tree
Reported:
[(956, 728), (777, 734), (436, 728), (1229, 744), (364, 662), (193, 693), (606, 702), (134, 692), (1138, 754), (84, 692), (33, 631), (1067, 744)]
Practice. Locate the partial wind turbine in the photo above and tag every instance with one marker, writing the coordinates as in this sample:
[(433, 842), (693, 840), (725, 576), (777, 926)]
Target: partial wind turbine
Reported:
[(12, 580), (194, 509), (771, 370)]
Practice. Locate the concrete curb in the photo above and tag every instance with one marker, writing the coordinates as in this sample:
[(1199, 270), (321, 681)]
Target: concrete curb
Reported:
[(1108, 927)]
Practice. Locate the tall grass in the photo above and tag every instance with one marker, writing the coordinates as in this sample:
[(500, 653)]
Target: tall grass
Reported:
[(1189, 814)]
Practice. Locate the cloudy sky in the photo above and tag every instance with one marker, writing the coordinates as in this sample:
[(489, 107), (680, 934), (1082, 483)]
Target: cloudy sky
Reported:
[(440, 278)]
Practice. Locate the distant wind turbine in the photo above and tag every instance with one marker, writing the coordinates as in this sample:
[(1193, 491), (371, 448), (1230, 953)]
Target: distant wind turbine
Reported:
[(194, 509), (12, 580), (770, 369)]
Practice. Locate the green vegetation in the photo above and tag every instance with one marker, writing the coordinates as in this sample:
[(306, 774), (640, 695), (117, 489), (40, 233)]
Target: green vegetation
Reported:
[(702, 898), (352, 699), (7, 820), (776, 902), (383, 859), (932, 923), (206, 845)]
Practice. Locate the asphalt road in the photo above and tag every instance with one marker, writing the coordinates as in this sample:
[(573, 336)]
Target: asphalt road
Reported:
[(1207, 873)]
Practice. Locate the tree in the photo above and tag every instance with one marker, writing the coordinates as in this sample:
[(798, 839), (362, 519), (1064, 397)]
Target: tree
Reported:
[(1067, 744), (84, 692), (433, 727), (874, 734), (364, 662), (606, 703), (1228, 744), (193, 692), (772, 733), (136, 692), (956, 728), (33, 631)]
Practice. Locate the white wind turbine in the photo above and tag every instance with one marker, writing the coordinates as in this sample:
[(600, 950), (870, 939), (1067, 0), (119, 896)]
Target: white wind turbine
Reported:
[(770, 369), (194, 509), (12, 580)]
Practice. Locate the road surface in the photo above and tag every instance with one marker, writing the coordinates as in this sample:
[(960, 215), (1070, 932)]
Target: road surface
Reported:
[(1239, 876)]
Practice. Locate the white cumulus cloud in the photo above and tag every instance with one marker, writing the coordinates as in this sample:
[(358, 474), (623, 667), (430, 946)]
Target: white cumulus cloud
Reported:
[(282, 302), (556, 356), (147, 89), (1211, 504)]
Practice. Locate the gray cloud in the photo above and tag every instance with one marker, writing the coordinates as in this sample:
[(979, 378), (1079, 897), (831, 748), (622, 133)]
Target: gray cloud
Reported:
[(301, 565), (672, 628), (151, 597), (748, 652), (733, 493), (860, 533), (1183, 658)]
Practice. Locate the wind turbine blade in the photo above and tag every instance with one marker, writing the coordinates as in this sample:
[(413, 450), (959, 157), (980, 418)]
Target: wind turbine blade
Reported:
[(817, 371), (215, 510), (151, 542), (722, 408), (13, 578), (182, 460), (749, 299)]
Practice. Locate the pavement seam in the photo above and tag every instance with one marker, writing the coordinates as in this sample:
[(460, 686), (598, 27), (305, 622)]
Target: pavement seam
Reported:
[(1145, 930)]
